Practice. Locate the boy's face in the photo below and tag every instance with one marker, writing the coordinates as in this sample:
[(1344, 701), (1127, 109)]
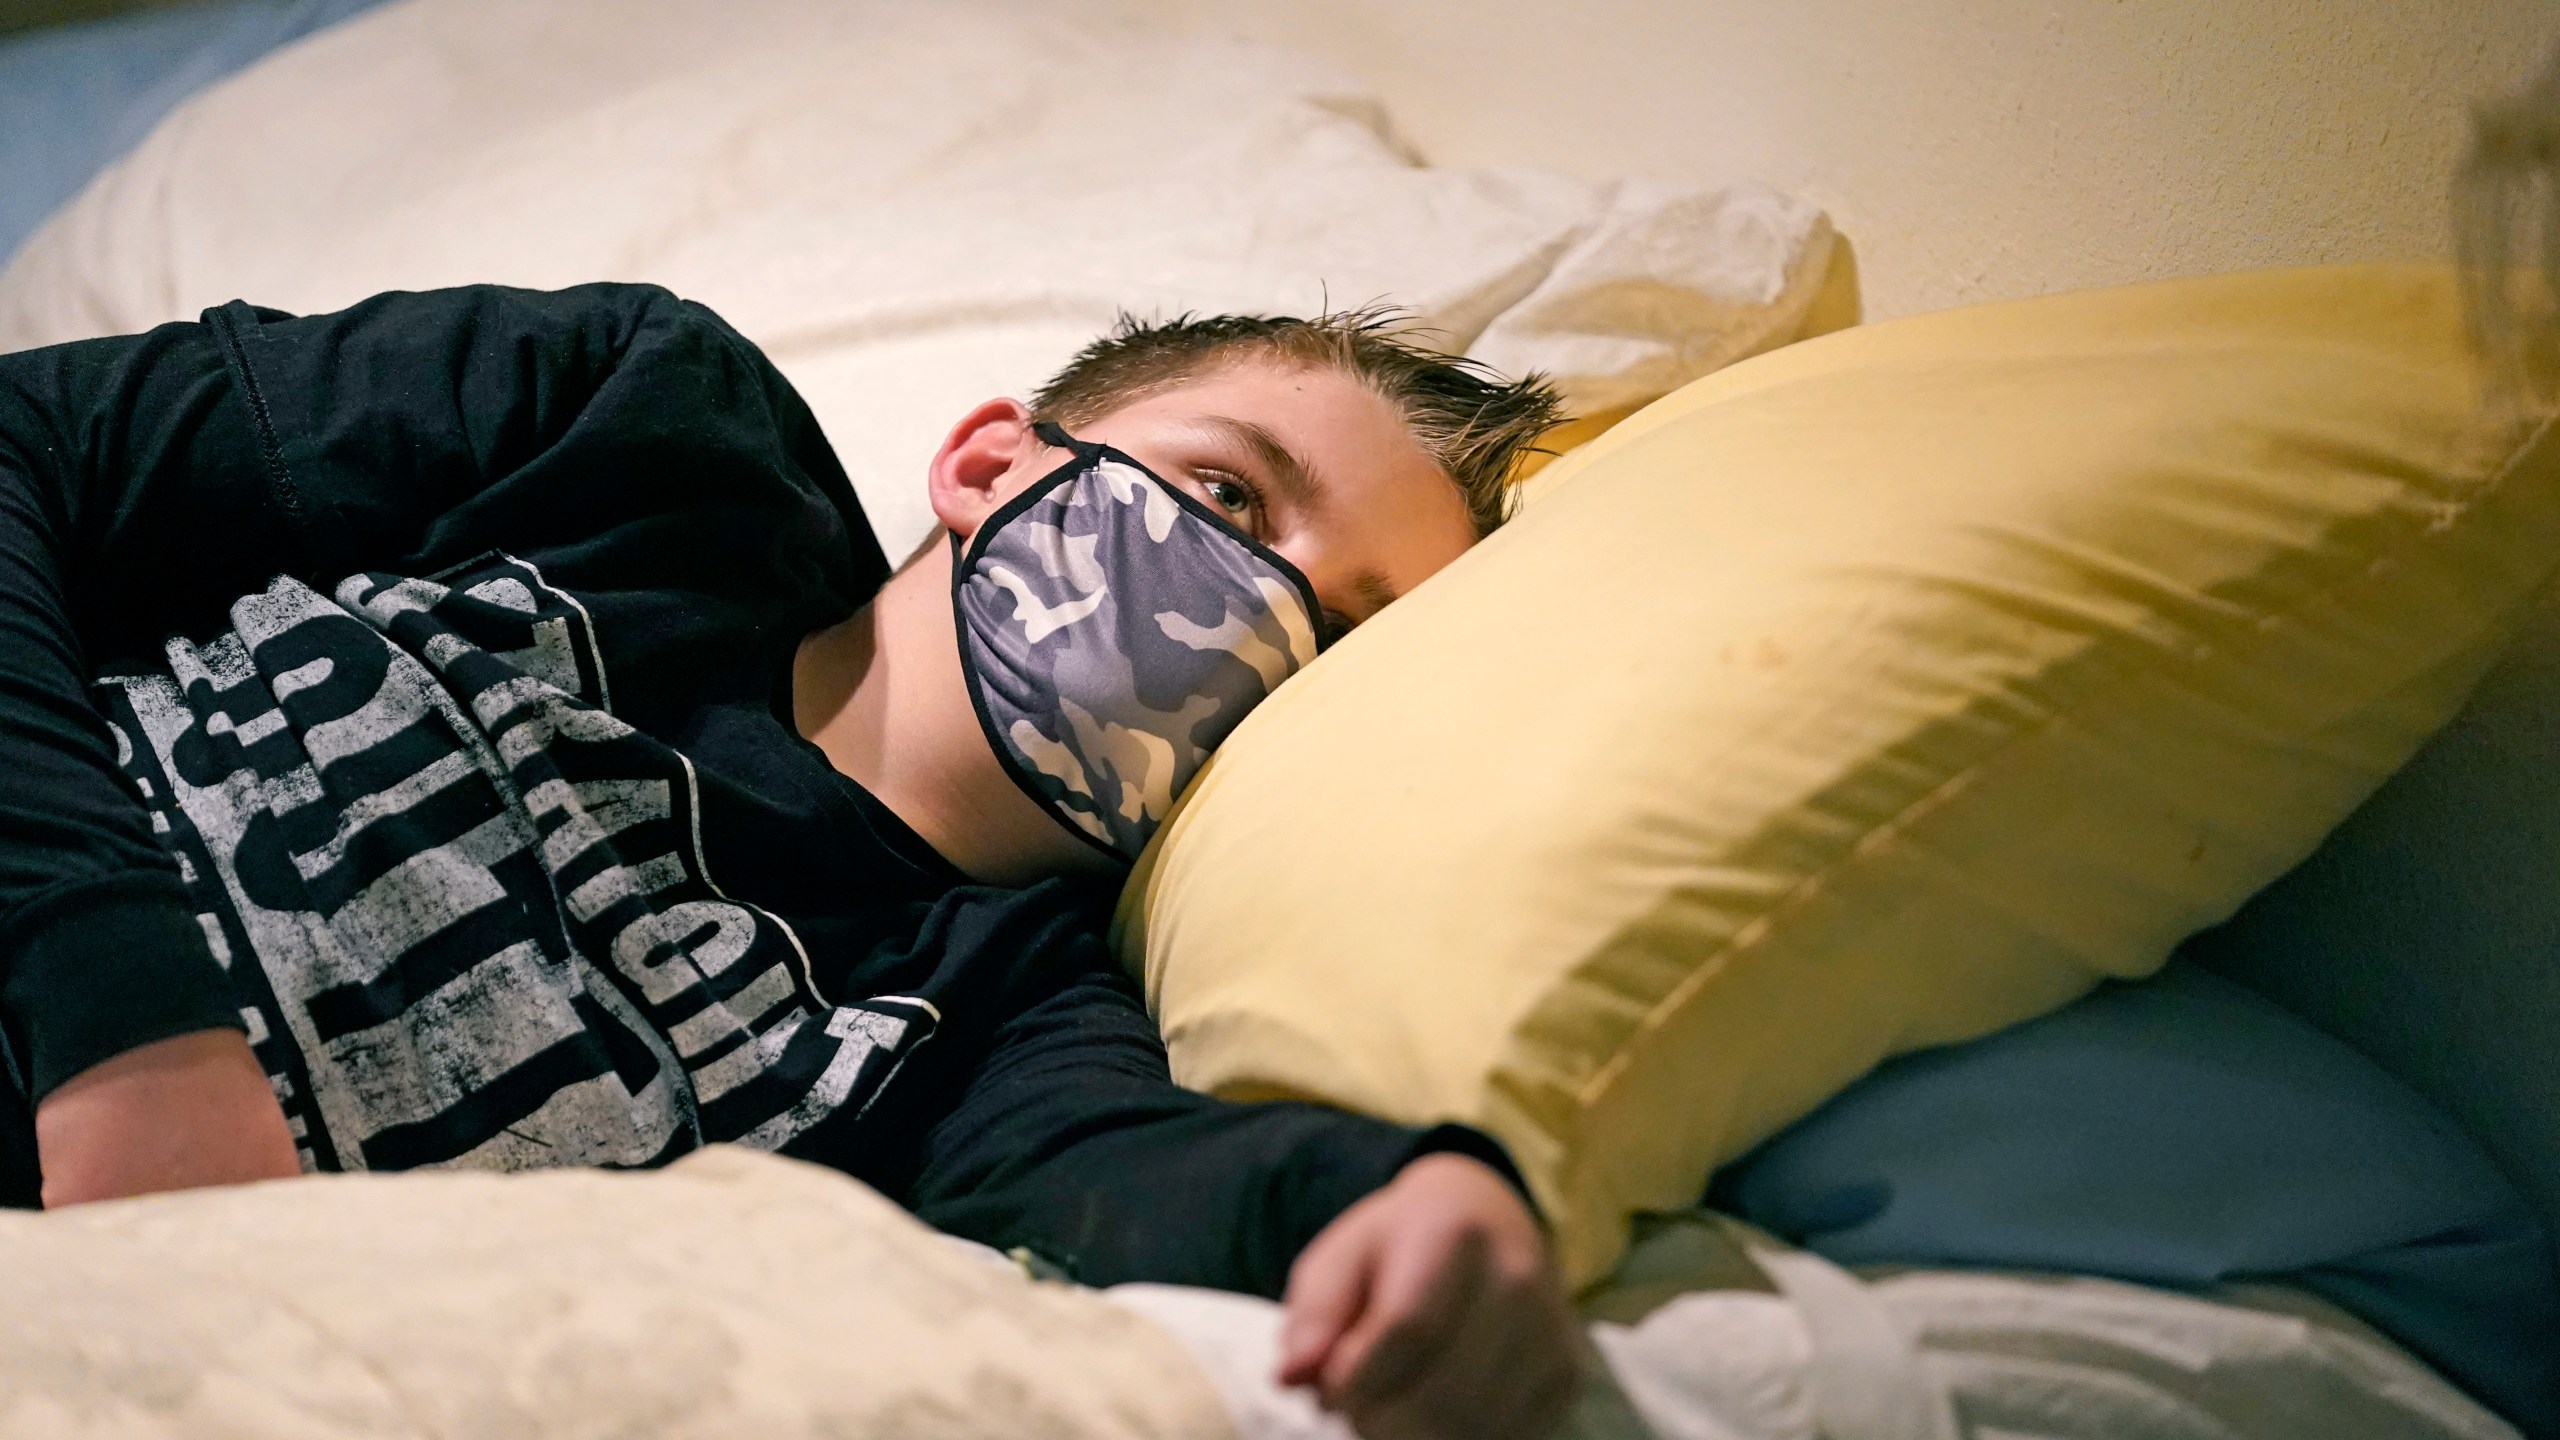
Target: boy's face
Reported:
[(1309, 462)]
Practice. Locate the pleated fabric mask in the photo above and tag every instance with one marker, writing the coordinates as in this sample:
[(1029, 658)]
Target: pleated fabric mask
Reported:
[(1114, 630)]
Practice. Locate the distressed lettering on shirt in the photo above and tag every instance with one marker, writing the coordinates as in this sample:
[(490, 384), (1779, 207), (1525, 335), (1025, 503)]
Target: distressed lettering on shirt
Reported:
[(467, 909)]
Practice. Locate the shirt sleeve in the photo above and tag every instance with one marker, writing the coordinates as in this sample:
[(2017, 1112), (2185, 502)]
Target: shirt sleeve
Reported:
[(147, 481), (106, 448), (1072, 1141)]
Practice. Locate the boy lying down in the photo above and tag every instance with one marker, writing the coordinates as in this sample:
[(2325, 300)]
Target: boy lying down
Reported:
[(478, 728)]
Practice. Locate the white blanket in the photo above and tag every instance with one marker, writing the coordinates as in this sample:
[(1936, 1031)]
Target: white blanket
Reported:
[(912, 207), (1917, 1355), (737, 1294), (732, 1295)]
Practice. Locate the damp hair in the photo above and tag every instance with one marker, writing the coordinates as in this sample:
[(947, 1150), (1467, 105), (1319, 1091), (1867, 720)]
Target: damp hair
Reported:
[(1475, 425)]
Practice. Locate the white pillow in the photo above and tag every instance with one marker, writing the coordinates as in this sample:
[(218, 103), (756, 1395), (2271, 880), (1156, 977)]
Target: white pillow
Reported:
[(911, 207)]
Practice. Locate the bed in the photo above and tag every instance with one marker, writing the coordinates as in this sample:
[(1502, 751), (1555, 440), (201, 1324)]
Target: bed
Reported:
[(542, 145)]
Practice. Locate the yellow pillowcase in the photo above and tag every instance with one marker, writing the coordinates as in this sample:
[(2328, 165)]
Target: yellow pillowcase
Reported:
[(1869, 695)]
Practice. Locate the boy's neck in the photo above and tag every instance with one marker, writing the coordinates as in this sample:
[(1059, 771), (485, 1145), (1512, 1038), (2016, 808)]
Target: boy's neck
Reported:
[(882, 693)]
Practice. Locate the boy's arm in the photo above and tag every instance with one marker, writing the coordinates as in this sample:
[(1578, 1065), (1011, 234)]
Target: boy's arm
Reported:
[(147, 481), (100, 953), (1420, 1297)]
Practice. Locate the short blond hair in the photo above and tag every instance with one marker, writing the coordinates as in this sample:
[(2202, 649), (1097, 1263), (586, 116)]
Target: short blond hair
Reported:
[(1475, 425)]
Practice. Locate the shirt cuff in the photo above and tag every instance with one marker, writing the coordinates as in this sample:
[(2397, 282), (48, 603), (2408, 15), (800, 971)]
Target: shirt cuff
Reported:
[(1450, 1139), (102, 968)]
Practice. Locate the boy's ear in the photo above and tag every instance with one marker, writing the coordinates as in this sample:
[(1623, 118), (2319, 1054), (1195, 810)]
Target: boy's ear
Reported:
[(974, 471)]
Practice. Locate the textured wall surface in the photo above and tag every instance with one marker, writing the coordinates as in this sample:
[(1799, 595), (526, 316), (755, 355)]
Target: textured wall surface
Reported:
[(36, 14), (1971, 149)]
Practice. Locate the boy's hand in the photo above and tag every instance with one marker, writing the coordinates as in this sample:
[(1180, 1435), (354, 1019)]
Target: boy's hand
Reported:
[(187, 1111), (1430, 1310)]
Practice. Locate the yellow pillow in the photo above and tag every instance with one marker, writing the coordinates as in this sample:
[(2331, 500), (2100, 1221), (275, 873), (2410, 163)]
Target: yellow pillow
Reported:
[(1868, 695)]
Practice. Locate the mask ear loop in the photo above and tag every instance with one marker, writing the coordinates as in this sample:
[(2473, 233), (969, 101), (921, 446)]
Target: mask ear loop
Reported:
[(1051, 433), (1085, 452)]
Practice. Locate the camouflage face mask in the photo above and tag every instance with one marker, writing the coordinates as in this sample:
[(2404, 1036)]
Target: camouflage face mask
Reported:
[(1114, 629)]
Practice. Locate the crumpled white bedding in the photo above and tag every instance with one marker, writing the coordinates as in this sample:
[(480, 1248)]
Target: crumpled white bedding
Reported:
[(731, 1295), (910, 207), (738, 1294), (1918, 1355)]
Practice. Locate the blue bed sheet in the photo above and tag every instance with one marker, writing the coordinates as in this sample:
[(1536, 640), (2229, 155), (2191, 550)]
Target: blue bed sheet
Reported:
[(75, 99), (2182, 1132)]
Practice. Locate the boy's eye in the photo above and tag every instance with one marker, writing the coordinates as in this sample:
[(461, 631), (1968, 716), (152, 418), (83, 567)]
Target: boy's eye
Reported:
[(1229, 495)]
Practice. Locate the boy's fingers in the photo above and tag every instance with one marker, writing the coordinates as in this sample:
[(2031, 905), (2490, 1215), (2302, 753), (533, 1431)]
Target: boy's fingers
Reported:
[(1509, 1372), (1430, 1312), (1506, 1408), (1328, 1288), (1419, 1300), (1485, 1383)]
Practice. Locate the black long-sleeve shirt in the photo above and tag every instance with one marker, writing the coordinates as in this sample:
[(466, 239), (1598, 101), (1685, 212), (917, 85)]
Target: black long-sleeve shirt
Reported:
[(409, 687)]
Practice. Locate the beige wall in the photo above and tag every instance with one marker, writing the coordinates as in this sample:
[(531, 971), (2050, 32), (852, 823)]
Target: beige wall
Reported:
[(1972, 149), (16, 15)]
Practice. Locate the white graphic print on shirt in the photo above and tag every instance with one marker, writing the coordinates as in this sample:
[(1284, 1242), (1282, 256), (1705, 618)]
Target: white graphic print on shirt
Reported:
[(466, 907)]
